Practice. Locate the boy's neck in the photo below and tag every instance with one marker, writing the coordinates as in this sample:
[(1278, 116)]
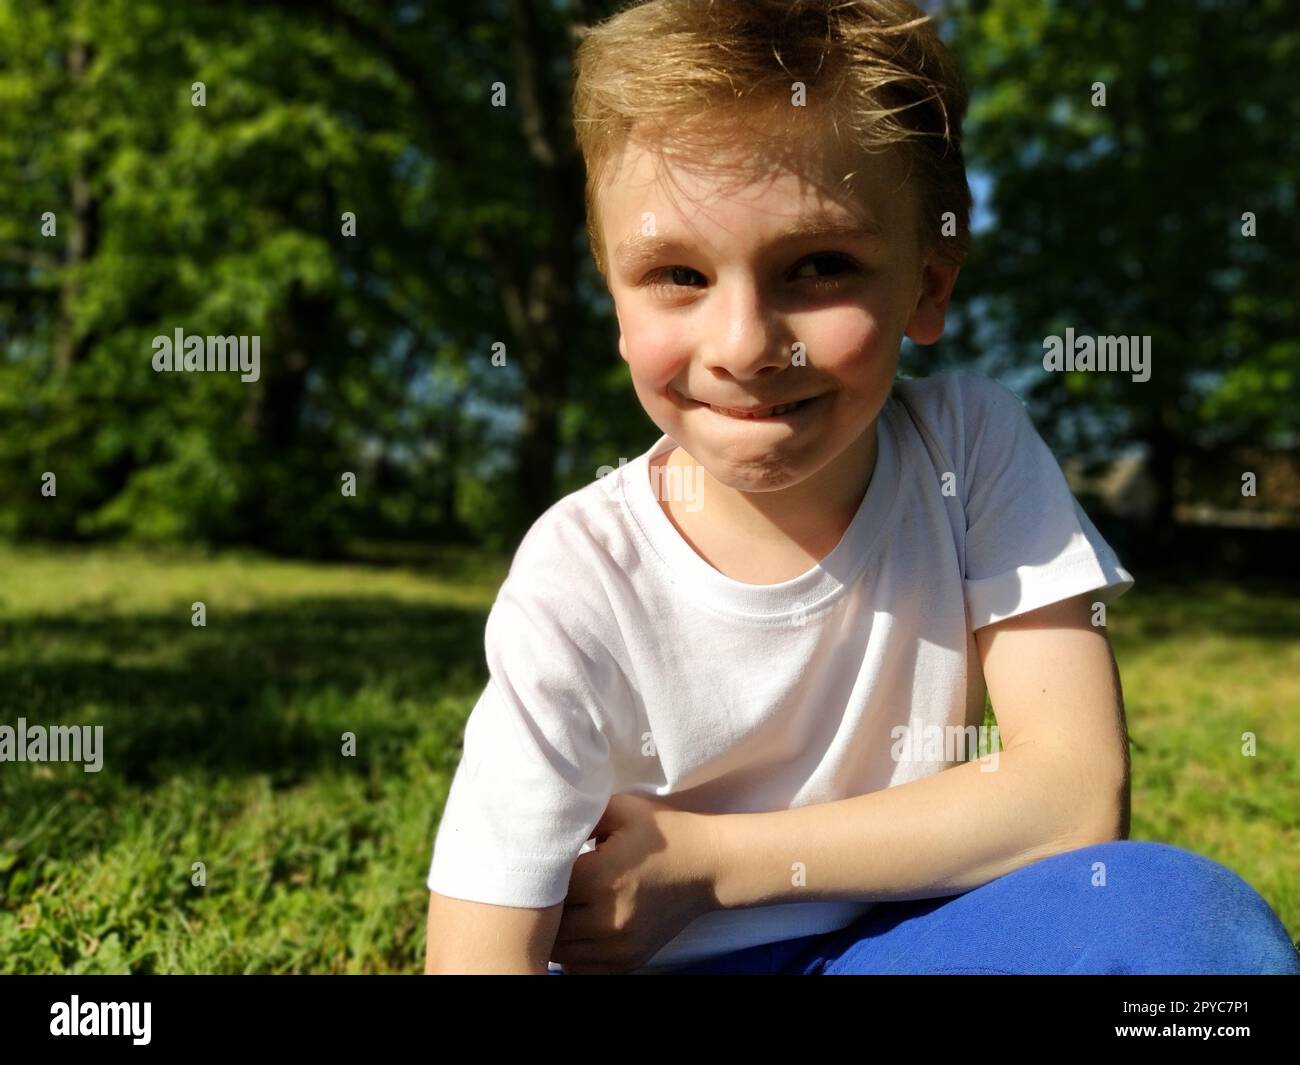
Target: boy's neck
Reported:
[(770, 537)]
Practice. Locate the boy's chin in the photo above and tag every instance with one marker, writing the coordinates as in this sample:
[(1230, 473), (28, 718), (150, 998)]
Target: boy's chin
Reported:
[(754, 481)]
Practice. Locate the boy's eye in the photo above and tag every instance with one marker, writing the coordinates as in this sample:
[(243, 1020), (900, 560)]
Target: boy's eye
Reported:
[(673, 277), (844, 263), (681, 276)]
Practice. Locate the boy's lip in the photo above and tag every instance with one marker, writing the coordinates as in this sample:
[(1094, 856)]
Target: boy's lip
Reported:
[(752, 410), (760, 414)]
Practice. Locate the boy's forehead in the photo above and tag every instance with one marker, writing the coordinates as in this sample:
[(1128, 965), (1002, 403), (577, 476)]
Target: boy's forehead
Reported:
[(652, 192)]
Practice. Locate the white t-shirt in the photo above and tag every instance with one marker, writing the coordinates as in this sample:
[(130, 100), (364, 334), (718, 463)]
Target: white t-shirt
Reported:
[(621, 661)]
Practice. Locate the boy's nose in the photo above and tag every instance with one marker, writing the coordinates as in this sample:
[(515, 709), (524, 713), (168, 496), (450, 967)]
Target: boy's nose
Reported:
[(746, 335)]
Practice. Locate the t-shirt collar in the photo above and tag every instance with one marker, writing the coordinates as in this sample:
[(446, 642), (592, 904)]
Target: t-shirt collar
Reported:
[(814, 588)]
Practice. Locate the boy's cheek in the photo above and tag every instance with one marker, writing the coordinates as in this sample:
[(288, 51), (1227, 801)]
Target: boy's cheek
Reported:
[(851, 348), (656, 355)]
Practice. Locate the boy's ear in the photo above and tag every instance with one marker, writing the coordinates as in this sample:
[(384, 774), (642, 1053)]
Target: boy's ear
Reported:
[(937, 281)]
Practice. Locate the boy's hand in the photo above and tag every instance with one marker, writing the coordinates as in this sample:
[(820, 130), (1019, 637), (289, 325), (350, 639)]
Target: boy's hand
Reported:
[(648, 878)]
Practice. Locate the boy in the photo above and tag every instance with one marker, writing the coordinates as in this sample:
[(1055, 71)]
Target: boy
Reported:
[(726, 659)]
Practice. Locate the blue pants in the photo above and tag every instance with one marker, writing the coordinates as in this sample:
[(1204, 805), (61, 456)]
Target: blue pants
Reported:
[(1146, 908)]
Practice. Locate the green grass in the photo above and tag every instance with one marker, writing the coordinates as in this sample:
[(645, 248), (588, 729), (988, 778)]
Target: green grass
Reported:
[(223, 747), (1202, 665)]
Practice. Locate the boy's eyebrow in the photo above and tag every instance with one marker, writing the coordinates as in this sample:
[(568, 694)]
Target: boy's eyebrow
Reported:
[(639, 247)]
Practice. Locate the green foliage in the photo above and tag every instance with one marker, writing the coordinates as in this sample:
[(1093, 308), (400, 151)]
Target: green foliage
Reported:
[(1127, 218), (226, 220)]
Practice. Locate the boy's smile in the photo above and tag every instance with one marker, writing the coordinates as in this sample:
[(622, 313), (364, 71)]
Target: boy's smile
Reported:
[(761, 289)]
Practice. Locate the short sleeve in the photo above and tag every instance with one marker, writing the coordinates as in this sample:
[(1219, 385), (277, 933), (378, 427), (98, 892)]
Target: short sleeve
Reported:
[(1028, 541), (535, 773)]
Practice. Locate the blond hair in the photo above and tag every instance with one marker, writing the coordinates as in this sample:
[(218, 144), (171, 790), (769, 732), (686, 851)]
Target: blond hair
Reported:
[(875, 73)]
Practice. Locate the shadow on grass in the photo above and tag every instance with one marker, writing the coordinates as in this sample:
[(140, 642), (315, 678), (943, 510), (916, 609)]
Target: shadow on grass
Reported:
[(269, 690)]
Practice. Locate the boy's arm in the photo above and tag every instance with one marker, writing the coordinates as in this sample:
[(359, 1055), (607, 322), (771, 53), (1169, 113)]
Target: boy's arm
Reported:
[(1061, 782), (479, 937)]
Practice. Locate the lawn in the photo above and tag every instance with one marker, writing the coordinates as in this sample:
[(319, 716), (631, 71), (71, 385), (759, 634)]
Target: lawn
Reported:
[(224, 746)]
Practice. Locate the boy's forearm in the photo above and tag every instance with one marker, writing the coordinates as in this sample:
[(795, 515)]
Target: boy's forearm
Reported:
[(941, 835)]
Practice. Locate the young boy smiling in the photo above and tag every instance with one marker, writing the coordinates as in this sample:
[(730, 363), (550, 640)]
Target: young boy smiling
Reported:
[(776, 197)]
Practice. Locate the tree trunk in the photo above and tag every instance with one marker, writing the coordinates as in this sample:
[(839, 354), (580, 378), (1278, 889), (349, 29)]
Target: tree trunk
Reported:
[(70, 347), (1162, 464), (544, 322), (450, 525), (536, 286)]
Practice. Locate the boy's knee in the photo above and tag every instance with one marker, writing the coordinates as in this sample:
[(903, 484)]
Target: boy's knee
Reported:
[(1154, 907)]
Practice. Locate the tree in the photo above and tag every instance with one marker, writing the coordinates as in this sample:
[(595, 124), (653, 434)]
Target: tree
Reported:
[(225, 218), (1127, 218)]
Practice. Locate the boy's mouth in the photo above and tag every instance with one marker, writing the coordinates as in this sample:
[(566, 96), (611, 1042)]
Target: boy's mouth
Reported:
[(763, 414)]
